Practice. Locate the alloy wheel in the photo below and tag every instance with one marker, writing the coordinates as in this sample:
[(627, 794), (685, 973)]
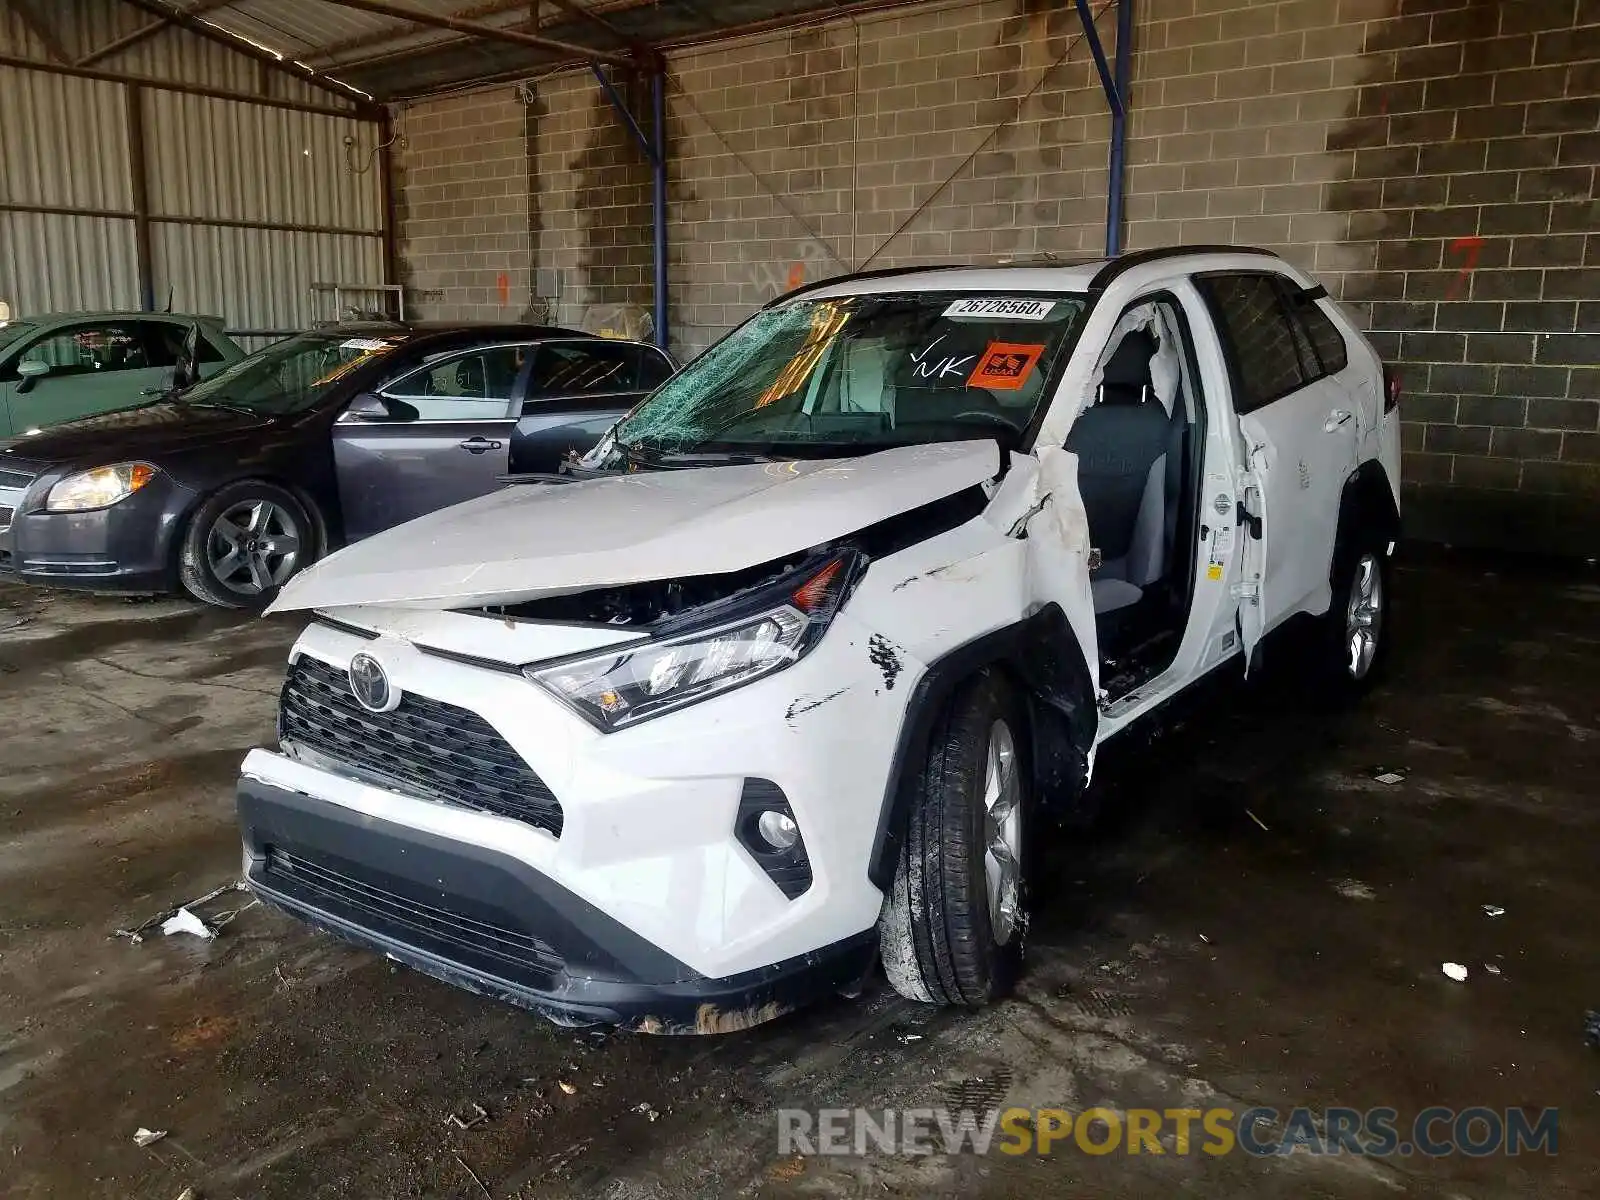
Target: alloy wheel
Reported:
[(1364, 617), (253, 547), (1002, 859)]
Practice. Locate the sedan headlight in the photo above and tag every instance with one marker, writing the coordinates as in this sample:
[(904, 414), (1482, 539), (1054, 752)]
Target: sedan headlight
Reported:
[(98, 488), (623, 686)]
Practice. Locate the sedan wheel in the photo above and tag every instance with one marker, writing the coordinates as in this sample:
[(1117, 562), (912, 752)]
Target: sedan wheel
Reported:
[(253, 547), (244, 543)]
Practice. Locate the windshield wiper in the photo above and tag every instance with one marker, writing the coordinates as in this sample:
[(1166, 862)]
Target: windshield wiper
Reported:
[(223, 404), (682, 459)]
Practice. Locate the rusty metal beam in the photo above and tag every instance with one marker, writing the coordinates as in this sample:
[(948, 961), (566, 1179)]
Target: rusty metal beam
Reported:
[(363, 112), (40, 28), (134, 37), (239, 45), (489, 32), (329, 55), (644, 50)]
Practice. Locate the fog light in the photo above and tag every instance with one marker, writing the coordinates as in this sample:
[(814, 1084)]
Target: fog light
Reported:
[(777, 829)]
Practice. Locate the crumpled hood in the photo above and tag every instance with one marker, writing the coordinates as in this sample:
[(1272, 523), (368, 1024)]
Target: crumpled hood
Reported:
[(532, 540)]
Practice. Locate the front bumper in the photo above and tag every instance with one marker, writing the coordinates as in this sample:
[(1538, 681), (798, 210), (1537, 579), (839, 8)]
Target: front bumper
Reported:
[(486, 921), (128, 547), (649, 816)]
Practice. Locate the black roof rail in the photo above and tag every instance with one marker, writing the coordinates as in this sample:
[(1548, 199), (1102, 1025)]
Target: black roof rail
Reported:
[(852, 276), (1119, 266)]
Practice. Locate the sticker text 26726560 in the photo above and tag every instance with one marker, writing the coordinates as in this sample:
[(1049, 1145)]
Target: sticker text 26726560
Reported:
[(1000, 306)]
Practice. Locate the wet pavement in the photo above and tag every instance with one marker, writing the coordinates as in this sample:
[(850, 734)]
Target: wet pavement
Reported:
[(1256, 921)]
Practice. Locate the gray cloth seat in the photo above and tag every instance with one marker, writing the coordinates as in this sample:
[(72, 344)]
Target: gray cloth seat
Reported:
[(1122, 442)]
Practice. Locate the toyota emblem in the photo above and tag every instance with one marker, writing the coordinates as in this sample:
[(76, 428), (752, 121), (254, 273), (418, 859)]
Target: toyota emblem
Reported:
[(370, 685)]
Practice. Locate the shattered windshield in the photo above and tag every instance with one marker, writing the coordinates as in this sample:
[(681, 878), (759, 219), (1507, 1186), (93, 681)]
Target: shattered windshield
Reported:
[(864, 372), (292, 375)]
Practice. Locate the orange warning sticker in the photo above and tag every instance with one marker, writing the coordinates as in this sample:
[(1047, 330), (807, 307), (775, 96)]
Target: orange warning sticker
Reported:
[(1005, 366)]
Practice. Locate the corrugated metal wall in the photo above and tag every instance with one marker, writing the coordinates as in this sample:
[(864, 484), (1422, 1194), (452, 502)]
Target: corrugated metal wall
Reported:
[(248, 205), (243, 162)]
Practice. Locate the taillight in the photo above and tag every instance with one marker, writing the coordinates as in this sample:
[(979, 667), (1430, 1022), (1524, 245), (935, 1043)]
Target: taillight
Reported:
[(1391, 388)]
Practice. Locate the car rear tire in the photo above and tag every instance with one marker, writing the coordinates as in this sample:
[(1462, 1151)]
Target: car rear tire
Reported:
[(1353, 642), (953, 924), (244, 543)]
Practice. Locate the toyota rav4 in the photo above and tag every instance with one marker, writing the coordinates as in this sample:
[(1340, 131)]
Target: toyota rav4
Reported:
[(782, 678)]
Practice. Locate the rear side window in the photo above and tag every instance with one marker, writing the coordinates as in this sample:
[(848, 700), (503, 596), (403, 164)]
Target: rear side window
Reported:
[(1263, 339), (1326, 340), (584, 369)]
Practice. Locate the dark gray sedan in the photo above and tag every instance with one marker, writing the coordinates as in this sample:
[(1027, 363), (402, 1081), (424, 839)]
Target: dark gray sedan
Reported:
[(226, 489)]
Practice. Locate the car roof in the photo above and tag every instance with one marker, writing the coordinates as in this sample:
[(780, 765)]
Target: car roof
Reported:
[(477, 329), (1050, 275), (107, 315)]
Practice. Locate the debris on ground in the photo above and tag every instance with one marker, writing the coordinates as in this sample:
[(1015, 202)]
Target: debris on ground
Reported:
[(1257, 820), (478, 1116), (567, 1086), (147, 1137), (185, 916), (188, 1194), (17, 624), (1205, 939), (1491, 968), (1389, 778), (1493, 910), (1591, 1030), (647, 1110), (1456, 971), (184, 921), (469, 1171), (1354, 889)]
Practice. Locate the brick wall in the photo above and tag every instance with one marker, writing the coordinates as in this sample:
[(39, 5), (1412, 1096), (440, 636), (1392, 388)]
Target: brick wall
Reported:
[(1433, 161)]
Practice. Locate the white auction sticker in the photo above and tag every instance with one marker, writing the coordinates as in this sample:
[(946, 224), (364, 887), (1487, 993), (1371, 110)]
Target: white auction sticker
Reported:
[(367, 344), (998, 306)]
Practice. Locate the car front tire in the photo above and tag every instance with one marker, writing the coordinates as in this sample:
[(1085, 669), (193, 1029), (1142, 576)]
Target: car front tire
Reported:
[(244, 543), (953, 924)]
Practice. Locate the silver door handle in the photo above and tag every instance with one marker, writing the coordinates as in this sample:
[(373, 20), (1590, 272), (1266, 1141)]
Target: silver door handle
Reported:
[(1336, 418), (479, 445)]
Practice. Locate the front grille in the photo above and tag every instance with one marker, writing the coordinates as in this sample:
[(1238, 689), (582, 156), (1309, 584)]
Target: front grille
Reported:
[(15, 479), (451, 927), (6, 513), (424, 747)]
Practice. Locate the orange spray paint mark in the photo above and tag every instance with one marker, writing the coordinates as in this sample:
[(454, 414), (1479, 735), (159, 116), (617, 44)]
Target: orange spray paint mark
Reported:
[(1468, 249), (504, 284), (797, 275)]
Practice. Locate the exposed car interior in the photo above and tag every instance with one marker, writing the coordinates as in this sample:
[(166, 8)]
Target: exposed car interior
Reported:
[(1138, 446)]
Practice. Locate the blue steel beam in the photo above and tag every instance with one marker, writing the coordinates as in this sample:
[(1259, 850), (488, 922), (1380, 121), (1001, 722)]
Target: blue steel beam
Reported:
[(655, 150), (1116, 184)]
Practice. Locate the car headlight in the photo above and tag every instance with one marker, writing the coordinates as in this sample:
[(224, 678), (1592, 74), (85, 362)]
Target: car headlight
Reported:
[(777, 627), (98, 488)]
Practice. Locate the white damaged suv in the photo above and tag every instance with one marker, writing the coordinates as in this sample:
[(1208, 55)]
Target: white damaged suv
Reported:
[(782, 678)]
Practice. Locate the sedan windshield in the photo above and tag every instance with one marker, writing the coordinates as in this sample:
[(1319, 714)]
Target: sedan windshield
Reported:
[(292, 375), (863, 372)]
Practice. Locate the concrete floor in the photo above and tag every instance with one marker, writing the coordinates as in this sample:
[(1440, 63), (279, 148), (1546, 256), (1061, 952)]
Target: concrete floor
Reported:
[(1185, 955)]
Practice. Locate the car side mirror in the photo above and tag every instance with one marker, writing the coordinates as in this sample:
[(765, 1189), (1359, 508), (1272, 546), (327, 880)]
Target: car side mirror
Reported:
[(31, 370), (371, 407)]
